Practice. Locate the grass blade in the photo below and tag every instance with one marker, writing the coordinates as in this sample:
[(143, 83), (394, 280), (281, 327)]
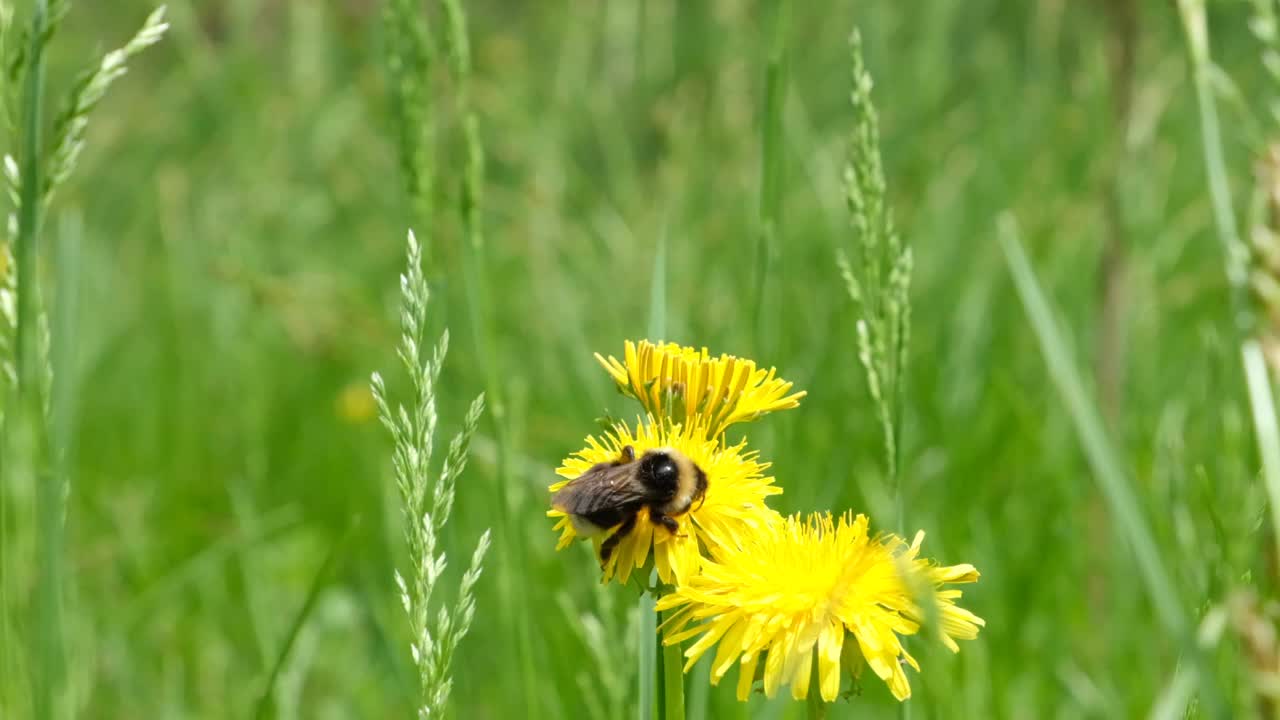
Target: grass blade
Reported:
[(28, 421), (771, 162), (646, 656), (672, 680), (318, 583), (1107, 470)]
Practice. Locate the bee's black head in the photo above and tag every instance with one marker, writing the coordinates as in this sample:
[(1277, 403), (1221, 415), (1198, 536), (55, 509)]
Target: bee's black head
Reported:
[(660, 474)]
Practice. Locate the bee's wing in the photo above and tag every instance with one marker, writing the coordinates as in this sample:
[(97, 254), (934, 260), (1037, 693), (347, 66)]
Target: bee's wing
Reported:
[(603, 487)]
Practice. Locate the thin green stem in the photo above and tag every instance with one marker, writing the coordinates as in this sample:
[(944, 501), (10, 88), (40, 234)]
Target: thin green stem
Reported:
[(29, 425), (646, 656), (672, 661), (699, 692), (25, 353), (8, 648), (771, 161), (471, 203), (660, 674)]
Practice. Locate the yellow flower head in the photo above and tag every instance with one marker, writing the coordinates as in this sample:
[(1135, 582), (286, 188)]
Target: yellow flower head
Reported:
[(689, 385), (732, 508), (802, 585)]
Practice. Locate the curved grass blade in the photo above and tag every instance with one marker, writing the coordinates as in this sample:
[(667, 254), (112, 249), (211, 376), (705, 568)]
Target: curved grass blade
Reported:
[(265, 707), (1108, 472)]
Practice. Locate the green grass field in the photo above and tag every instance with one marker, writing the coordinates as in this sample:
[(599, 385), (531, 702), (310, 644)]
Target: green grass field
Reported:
[(653, 169)]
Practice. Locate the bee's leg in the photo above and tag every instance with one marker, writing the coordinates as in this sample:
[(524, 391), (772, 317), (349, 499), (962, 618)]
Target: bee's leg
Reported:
[(628, 456), (665, 521), (606, 548)]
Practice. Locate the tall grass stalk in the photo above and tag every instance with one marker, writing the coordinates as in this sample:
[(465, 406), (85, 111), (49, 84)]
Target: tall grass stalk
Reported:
[(9, 647), (647, 652), (23, 427), (408, 60), (1236, 256), (1107, 469), (660, 666), (410, 57), (476, 272), (426, 502), (772, 142), (29, 209), (672, 671), (878, 278), (27, 432)]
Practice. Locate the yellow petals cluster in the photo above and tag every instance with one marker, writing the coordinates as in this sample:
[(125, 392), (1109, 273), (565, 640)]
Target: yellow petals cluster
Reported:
[(690, 397), (806, 585), (734, 505), (768, 593), (680, 382)]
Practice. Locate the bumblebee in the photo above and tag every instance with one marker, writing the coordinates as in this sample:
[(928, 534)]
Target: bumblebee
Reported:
[(664, 482)]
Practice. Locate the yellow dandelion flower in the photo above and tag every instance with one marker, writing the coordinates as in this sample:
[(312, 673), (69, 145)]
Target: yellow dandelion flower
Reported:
[(690, 385), (804, 585), (733, 507)]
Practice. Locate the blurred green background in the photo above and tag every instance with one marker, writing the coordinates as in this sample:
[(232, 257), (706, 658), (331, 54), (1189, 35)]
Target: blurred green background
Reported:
[(243, 218)]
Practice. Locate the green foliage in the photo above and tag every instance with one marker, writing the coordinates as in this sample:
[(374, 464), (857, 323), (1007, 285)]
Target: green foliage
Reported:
[(243, 207)]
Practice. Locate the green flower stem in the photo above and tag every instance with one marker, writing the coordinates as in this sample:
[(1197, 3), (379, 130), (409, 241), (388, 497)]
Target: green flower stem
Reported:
[(671, 662), (661, 657), (645, 655)]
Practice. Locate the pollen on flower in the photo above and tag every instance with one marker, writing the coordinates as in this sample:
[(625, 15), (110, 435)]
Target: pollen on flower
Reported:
[(689, 385), (802, 586), (734, 504)]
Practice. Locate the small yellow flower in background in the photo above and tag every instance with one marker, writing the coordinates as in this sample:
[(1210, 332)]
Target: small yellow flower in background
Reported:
[(690, 386), (734, 505), (354, 403), (801, 585)]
